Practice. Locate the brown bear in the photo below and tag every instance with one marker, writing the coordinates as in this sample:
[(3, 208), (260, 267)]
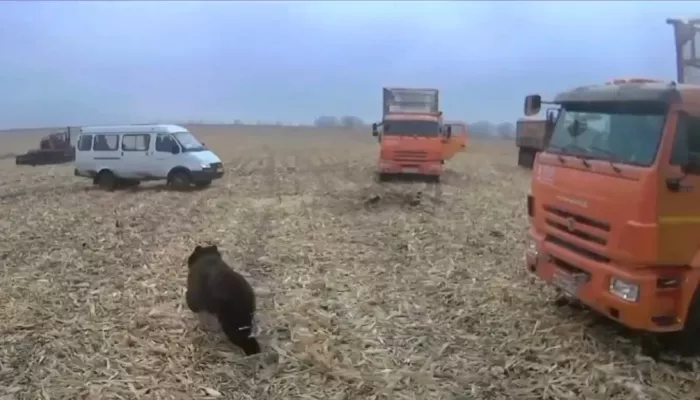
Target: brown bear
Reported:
[(214, 288)]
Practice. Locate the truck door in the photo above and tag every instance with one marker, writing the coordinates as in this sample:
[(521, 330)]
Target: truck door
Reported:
[(679, 194)]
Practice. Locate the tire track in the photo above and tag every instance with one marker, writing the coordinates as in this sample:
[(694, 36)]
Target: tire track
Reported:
[(258, 233)]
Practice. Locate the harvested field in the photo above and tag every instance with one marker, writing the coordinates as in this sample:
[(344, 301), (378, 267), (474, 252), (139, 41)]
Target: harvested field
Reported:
[(399, 297)]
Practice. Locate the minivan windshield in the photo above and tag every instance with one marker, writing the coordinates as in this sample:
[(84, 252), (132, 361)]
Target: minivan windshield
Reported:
[(411, 128), (623, 133), (188, 142)]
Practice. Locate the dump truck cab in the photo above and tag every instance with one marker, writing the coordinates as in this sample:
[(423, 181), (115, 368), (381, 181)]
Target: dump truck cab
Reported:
[(411, 134), (614, 208)]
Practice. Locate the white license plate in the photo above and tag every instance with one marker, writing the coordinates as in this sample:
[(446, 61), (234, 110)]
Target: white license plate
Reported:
[(566, 282), (409, 170)]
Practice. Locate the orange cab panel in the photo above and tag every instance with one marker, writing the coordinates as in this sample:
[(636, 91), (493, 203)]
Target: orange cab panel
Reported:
[(457, 142)]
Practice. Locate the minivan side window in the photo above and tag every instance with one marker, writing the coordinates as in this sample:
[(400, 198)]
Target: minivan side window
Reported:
[(85, 143), (106, 142), (165, 143), (136, 142), (686, 146)]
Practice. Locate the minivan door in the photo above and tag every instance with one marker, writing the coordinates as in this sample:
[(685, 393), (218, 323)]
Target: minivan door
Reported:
[(164, 159), (135, 155)]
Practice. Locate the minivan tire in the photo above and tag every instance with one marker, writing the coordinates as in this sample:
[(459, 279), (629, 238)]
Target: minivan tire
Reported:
[(107, 180), (179, 180)]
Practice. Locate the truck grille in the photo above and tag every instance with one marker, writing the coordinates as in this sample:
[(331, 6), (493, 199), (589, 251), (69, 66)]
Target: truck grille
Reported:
[(564, 224), (411, 154)]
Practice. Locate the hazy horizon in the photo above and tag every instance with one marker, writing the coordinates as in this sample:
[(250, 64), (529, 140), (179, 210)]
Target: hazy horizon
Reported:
[(79, 63)]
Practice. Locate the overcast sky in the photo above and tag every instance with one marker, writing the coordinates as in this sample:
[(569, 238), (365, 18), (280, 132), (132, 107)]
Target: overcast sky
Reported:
[(109, 62)]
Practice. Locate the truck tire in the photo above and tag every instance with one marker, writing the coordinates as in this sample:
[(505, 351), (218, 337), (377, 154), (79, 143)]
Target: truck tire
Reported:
[(687, 341)]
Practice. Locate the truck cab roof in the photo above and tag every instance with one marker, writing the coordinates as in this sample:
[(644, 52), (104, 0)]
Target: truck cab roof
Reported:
[(662, 92), (411, 116)]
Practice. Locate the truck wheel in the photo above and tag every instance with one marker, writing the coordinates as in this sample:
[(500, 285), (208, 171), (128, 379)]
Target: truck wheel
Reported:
[(106, 180), (687, 341)]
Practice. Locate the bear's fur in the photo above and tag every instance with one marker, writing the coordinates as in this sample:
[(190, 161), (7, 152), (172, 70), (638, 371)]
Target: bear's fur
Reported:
[(214, 288)]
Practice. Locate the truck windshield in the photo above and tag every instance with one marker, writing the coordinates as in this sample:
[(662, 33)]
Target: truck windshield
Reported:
[(628, 135), (188, 142), (412, 128)]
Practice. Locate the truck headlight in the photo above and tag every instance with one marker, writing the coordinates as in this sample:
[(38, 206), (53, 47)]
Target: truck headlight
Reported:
[(204, 165), (625, 290)]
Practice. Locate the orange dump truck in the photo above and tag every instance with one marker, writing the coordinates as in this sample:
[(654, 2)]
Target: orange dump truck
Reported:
[(457, 141), (614, 208), (411, 134)]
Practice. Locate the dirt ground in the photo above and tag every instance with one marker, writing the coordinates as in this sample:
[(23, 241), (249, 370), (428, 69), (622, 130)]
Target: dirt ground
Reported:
[(406, 296)]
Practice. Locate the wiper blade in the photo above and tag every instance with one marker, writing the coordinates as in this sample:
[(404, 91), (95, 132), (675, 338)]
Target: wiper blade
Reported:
[(566, 150), (612, 157), (559, 157)]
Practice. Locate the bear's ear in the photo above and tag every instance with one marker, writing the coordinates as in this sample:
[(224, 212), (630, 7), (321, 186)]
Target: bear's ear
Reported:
[(195, 255), (210, 250)]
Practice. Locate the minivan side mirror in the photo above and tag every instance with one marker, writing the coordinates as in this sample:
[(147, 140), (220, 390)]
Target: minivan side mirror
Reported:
[(533, 104), (176, 148)]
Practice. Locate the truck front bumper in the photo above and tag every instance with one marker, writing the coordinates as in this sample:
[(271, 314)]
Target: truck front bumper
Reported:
[(433, 168), (628, 296)]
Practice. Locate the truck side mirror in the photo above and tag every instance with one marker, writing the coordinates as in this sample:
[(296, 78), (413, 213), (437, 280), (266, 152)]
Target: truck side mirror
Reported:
[(533, 104), (374, 129), (176, 148), (448, 131)]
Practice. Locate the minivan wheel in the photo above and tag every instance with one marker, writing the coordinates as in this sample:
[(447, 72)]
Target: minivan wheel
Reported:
[(180, 180), (106, 180)]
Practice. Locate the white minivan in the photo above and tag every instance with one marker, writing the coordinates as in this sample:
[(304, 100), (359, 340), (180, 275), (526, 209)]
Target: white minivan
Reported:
[(126, 155)]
